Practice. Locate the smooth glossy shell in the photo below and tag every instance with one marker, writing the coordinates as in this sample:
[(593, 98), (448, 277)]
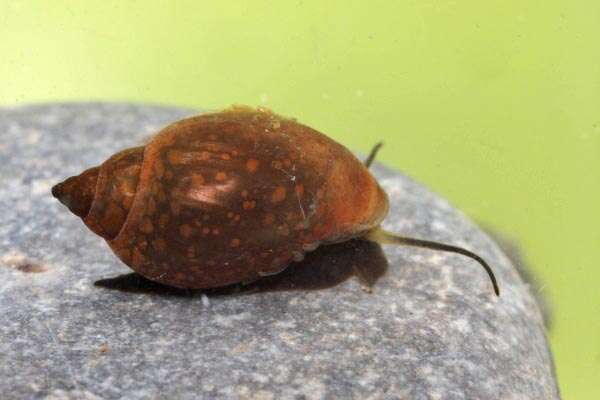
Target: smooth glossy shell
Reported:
[(225, 197)]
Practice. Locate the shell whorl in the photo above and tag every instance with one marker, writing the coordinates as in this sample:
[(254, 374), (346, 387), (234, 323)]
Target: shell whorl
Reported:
[(102, 196)]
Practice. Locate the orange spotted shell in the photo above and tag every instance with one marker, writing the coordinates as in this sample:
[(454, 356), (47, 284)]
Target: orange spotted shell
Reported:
[(225, 197)]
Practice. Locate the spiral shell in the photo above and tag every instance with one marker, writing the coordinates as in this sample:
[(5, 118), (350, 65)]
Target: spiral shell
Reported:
[(225, 197)]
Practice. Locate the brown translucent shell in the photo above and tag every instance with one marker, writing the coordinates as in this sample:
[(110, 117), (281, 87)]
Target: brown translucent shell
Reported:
[(225, 197)]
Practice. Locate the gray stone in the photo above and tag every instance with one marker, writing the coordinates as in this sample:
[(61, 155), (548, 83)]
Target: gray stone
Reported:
[(72, 327)]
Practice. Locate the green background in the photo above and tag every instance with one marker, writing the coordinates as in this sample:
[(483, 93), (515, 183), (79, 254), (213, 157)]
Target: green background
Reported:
[(494, 104)]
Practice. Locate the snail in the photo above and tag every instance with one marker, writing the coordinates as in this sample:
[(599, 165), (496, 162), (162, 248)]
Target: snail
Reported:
[(232, 196)]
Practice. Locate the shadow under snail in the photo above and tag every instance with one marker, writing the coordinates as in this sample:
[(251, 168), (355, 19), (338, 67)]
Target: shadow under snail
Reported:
[(230, 197)]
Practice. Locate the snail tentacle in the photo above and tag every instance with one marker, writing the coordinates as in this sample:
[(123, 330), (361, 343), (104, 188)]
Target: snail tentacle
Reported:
[(384, 237), (373, 154)]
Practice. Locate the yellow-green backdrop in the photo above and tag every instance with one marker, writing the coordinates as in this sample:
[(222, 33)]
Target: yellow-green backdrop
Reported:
[(494, 104)]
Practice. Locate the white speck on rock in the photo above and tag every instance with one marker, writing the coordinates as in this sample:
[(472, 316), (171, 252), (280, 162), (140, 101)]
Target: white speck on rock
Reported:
[(41, 186), (205, 300)]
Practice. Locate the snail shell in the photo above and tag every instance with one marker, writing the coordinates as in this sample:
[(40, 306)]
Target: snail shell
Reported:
[(225, 197)]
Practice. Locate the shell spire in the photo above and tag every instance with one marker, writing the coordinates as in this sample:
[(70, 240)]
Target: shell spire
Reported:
[(77, 192)]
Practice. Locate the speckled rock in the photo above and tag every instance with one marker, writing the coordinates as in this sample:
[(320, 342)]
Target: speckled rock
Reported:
[(74, 323)]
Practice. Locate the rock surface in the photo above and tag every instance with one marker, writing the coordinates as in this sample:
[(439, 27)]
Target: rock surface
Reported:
[(72, 327)]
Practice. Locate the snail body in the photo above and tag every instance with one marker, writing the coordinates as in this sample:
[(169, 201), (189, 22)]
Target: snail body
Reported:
[(230, 197), (225, 197)]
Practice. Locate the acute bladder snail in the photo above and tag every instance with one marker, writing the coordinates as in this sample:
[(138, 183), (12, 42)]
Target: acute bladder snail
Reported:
[(229, 197)]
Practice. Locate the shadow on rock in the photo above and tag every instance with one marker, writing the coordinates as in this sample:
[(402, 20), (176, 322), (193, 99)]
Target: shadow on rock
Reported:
[(324, 268)]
